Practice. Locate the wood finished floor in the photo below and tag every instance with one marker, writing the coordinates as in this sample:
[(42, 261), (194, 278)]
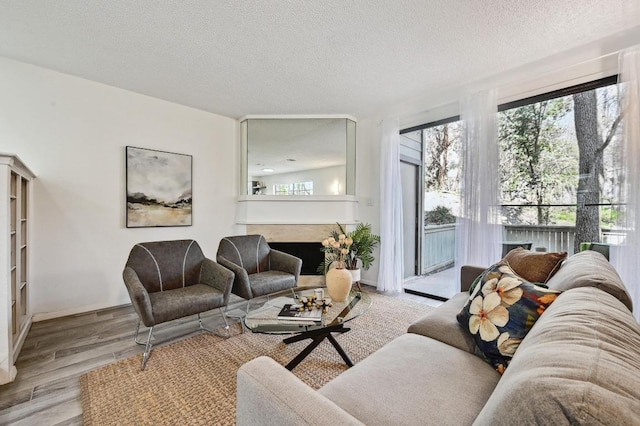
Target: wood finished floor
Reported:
[(58, 351)]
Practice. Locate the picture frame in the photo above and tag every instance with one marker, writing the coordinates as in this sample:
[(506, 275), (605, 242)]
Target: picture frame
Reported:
[(159, 188)]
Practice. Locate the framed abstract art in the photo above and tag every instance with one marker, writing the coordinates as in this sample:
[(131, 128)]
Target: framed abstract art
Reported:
[(159, 186)]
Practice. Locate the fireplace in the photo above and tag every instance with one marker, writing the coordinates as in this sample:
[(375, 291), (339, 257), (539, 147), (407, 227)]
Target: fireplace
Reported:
[(305, 237), (310, 253)]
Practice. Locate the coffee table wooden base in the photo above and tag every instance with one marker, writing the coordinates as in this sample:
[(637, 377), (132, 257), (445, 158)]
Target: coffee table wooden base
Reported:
[(317, 336)]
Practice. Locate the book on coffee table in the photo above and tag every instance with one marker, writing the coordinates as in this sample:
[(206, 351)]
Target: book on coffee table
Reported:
[(292, 312)]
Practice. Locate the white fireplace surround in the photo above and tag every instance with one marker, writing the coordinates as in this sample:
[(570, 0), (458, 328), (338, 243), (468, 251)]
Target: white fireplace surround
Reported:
[(297, 233), (296, 209), (297, 219)]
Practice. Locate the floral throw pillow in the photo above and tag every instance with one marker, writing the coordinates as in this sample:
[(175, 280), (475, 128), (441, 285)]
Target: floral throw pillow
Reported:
[(500, 312)]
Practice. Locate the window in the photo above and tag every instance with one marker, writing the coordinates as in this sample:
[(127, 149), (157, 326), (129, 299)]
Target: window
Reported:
[(559, 164), (299, 188), (441, 146), (559, 171)]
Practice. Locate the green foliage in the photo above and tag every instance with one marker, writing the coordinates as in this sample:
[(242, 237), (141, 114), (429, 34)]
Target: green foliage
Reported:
[(442, 163), (609, 217), (567, 216), (538, 164), (441, 215), (361, 250)]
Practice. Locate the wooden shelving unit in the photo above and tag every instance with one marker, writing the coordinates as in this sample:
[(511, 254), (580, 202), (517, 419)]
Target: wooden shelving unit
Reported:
[(15, 195)]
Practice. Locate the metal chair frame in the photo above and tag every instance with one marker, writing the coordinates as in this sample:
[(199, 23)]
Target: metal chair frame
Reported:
[(148, 346), (240, 317), (246, 309)]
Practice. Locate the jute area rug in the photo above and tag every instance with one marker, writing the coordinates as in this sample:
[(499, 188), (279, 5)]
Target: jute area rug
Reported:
[(193, 381)]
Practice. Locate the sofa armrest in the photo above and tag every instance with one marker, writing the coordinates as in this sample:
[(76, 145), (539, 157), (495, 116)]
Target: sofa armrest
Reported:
[(468, 274), (281, 261), (217, 276), (441, 324), (139, 296), (269, 394)]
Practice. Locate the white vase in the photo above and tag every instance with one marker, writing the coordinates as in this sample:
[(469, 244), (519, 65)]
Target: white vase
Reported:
[(338, 284), (355, 275)]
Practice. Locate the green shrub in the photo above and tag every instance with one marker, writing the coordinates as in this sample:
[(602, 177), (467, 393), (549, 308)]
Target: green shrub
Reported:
[(441, 215)]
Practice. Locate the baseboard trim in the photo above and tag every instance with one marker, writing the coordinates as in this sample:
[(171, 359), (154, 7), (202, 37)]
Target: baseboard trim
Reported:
[(8, 376), (43, 316)]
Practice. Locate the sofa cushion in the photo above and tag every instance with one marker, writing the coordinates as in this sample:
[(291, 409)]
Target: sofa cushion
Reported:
[(580, 364), (501, 311), (441, 324), (536, 267), (414, 380), (590, 269)]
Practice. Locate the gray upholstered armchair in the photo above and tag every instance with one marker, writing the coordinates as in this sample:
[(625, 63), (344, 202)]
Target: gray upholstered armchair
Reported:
[(167, 280), (258, 269)]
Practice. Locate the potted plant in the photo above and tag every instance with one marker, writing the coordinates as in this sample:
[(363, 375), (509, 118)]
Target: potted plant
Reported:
[(359, 245)]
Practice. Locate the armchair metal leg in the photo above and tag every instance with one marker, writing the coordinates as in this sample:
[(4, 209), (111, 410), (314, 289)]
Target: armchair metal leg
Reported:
[(135, 338), (203, 328), (147, 345), (226, 324), (237, 317)]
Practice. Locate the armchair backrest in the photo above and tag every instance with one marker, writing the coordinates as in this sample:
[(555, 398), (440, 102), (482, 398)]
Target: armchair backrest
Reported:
[(250, 252), (166, 265)]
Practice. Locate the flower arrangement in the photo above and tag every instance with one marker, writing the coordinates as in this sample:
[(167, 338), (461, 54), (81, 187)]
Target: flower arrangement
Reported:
[(337, 250), (347, 250)]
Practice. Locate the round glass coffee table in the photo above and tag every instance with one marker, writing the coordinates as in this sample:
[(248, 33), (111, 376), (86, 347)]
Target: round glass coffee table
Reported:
[(263, 318)]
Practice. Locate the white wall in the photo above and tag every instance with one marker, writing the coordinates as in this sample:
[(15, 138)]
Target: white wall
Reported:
[(575, 66), (72, 133), (368, 183)]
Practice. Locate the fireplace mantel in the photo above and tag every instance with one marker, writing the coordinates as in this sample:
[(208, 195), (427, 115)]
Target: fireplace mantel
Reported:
[(292, 233), (301, 210)]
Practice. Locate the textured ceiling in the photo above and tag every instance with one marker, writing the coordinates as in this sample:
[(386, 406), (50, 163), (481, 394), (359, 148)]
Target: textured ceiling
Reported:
[(238, 57)]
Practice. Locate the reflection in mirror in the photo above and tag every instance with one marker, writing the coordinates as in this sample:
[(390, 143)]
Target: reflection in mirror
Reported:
[(298, 156)]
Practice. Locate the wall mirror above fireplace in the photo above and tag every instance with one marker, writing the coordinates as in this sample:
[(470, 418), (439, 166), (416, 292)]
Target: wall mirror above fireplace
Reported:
[(298, 155)]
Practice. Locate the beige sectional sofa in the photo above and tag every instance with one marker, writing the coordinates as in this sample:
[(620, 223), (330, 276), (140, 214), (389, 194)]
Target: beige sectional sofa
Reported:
[(579, 364)]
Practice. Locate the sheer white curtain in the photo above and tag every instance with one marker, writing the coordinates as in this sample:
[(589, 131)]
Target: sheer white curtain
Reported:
[(478, 232), (390, 274), (626, 257)]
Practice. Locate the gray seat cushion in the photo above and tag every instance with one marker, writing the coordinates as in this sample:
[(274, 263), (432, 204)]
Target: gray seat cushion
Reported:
[(579, 364), (414, 380), (441, 324), (173, 304), (270, 281)]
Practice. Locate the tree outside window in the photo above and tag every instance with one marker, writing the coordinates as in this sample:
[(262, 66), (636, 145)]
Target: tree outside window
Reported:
[(559, 161)]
